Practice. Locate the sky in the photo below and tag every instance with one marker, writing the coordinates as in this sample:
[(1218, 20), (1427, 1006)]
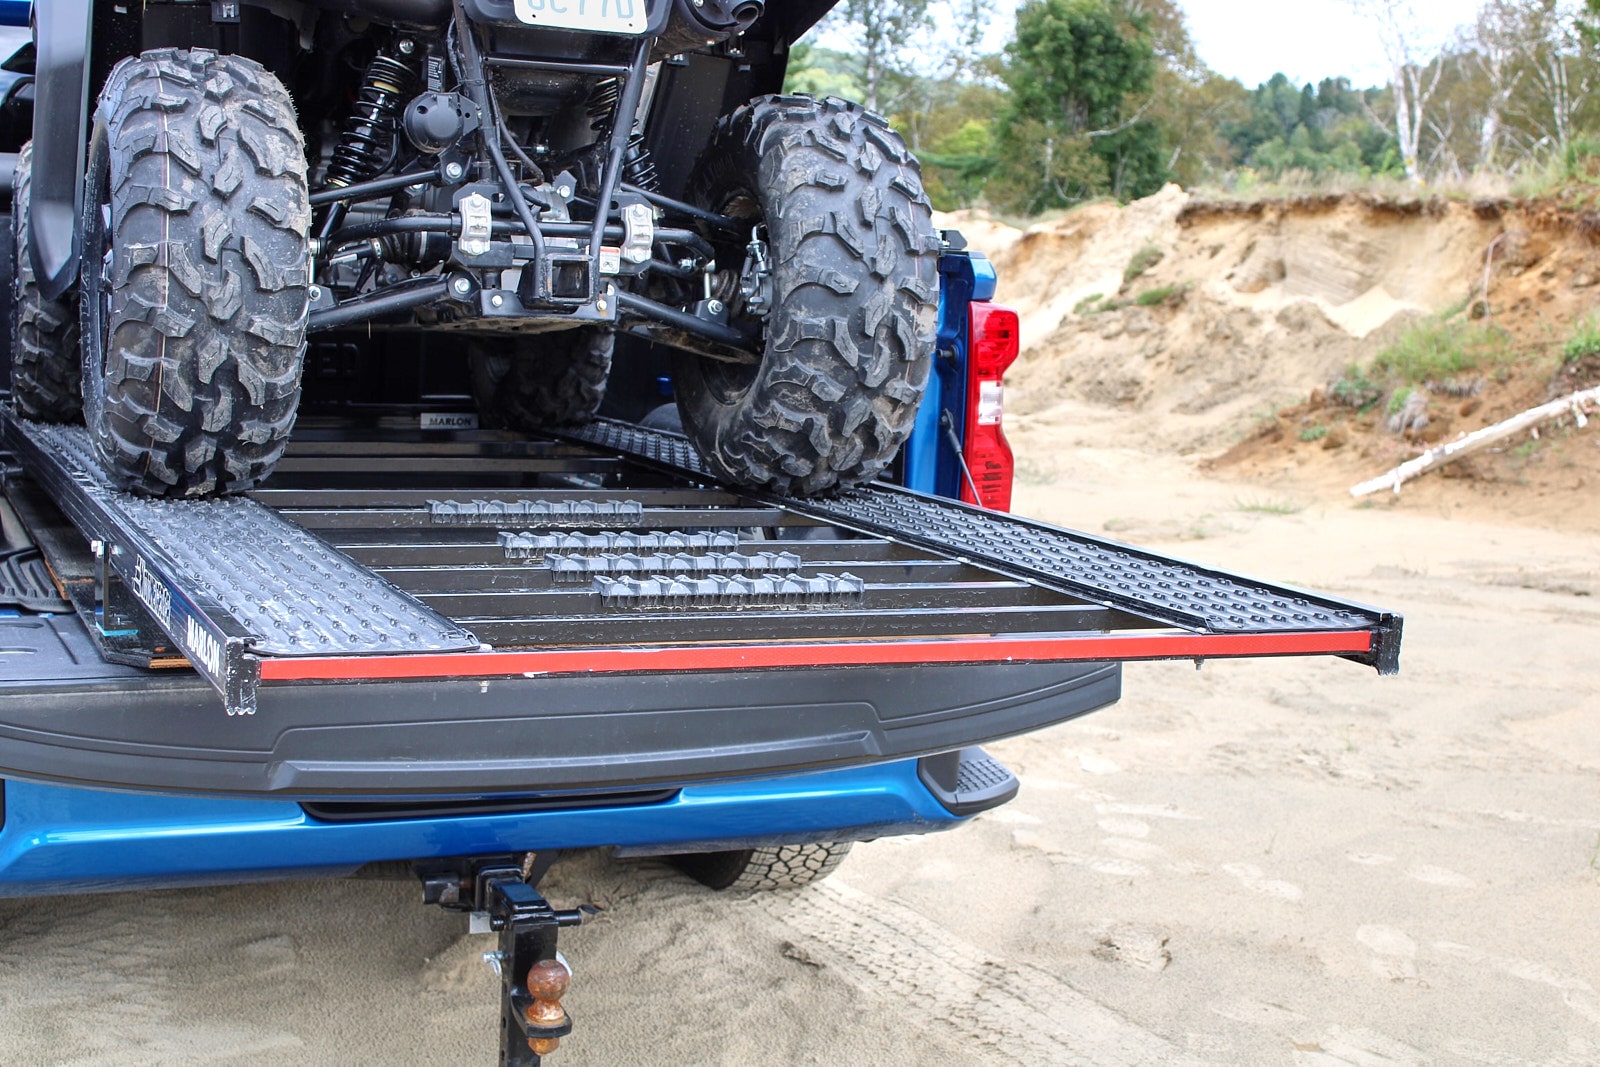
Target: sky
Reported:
[(1252, 40), (1306, 39)]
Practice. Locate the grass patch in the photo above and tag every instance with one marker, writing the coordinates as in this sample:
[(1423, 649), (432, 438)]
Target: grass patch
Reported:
[(1142, 260), (1248, 185), (1268, 507), (1436, 353), (1313, 433), (1437, 348), (1570, 174), (1585, 339), (1397, 400), (1089, 304), (1162, 294)]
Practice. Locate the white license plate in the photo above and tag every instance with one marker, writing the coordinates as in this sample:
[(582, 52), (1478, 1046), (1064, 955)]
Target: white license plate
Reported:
[(597, 16)]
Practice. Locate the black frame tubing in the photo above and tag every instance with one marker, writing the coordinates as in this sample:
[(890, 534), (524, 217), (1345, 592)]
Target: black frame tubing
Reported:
[(451, 225), (645, 308), (376, 187), (699, 214), (384, 302), (621, 131), (473, 79)]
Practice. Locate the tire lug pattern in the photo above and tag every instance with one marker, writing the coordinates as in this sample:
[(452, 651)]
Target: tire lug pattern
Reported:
[(209, 274), (46, 379), (849, 343), (550, 379)]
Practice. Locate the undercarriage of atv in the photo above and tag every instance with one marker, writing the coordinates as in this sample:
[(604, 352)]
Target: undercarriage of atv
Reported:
[(486, 167), (428, 199)]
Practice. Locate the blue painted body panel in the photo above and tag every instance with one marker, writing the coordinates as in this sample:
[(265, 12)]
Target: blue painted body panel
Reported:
[(931, 464), (14, 12), (58, 839)]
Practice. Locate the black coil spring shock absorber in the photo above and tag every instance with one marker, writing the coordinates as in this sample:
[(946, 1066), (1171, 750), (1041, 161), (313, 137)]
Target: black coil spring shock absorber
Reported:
[(602, 104), (369, 135), (638, 165)]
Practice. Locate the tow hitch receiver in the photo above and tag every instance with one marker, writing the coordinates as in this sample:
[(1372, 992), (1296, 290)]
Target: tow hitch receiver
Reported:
[(533, 976)]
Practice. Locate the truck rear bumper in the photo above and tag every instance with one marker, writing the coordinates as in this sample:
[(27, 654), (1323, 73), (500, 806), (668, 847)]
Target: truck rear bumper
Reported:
[(69, 717), (58, 839)]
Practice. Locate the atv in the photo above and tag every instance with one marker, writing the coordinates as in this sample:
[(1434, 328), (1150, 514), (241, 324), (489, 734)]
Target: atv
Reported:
[(211, 182)]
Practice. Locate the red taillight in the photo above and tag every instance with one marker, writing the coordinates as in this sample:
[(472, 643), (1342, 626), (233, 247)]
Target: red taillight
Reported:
[(991, 349)]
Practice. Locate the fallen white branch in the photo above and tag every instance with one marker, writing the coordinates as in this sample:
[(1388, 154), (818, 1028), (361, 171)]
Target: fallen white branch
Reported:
[(1439, 455)]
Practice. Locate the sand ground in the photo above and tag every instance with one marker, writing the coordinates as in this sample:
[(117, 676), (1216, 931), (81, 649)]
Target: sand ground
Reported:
[(1276, 862)]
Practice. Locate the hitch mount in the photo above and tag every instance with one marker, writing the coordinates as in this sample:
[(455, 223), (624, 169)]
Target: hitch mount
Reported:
[(499, 894)]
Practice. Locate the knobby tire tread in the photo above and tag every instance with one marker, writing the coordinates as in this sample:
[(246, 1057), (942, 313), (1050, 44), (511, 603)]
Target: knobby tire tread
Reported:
[(754, 870), (849, 340), (549, 379), (205, 338), (46, 382)]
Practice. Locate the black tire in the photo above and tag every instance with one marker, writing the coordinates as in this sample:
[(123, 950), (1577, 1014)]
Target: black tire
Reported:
[(195, 276), (849, 337), (46, 382), (549, 379), (757, 869)]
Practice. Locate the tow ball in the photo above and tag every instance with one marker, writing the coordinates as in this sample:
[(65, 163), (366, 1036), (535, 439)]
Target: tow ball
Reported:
[(499, 894)]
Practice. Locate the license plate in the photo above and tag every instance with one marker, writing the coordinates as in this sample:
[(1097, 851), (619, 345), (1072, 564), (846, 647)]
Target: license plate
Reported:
[(597, 16)]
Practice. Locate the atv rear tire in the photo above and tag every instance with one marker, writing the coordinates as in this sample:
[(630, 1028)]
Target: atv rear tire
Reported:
[(195, 275), (848, 334), (756, 869), (549, 379), (46, 382)]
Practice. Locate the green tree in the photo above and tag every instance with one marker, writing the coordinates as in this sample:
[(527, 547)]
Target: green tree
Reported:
[(1195, 109), (1322, 128), (820, 72), (958, 164), (1080, 74)]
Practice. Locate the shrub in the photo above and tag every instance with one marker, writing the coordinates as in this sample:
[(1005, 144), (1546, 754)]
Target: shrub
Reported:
[(1437, 348), (1142, 260), (1151, 297), (1585, 339), (1355, 389)]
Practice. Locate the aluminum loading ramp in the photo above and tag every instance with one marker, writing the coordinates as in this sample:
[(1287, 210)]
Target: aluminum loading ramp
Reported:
[(1225, 615), (493, 573), (410, 612)]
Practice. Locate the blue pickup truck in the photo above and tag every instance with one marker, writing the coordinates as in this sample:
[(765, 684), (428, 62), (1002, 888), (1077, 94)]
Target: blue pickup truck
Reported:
[(432, 641)]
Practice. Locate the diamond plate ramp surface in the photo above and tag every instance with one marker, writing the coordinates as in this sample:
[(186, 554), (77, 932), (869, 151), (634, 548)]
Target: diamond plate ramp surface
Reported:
[(284, 587), (1101, 571)]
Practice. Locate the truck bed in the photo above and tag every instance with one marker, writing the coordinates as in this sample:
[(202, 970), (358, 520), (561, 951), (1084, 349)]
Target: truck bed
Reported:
[(406, 613)]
